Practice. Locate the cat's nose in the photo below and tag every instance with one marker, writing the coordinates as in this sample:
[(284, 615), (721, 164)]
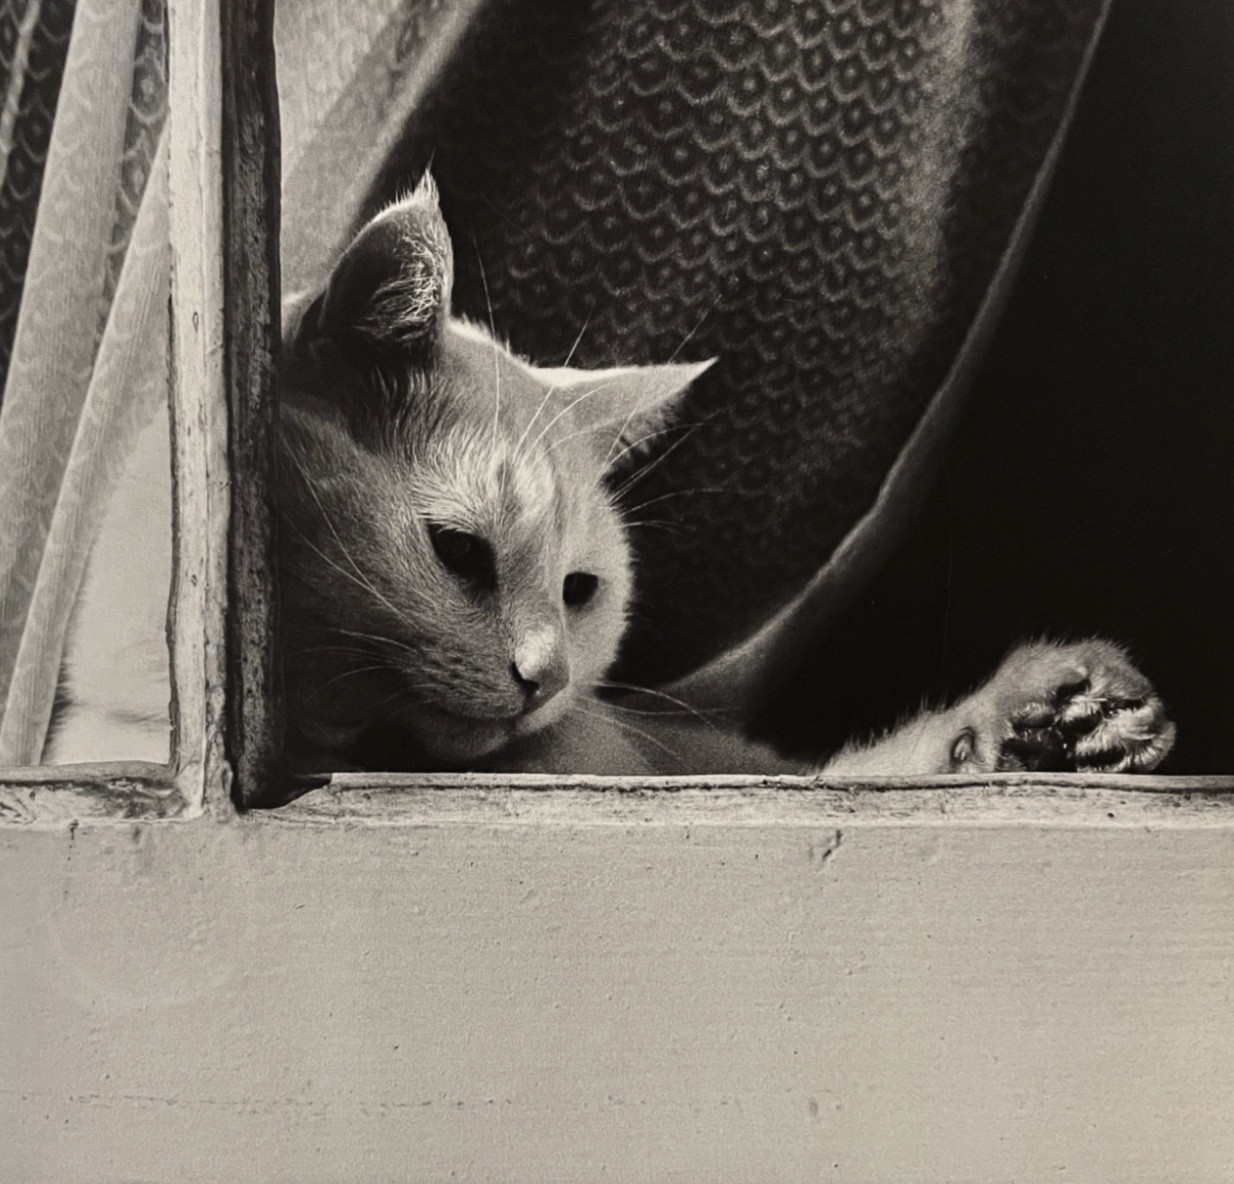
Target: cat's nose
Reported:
[(540, 668)]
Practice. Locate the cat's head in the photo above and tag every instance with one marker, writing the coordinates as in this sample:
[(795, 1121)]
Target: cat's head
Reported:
[(452, 563)]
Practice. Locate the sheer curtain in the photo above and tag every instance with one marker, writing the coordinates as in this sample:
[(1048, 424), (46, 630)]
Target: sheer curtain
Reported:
[(85, 284), (350, 75), (83, 214)]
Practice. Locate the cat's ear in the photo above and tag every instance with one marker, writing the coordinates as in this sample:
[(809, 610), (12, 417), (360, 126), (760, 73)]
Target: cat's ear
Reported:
[(623, 406), (389, 295)]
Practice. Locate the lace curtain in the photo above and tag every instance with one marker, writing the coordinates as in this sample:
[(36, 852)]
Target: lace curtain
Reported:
[(83, 327)]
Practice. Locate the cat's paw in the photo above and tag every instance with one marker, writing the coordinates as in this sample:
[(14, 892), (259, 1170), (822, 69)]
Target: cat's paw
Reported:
[(1079, 707)]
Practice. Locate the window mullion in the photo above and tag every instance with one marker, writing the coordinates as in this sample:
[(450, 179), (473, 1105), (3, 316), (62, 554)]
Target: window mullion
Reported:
[(250, 256), (198, 401)]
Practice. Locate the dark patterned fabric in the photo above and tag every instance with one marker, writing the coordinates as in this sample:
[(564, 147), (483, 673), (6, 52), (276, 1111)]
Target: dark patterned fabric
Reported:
[(11, 15), (817, 192), (23, 172)]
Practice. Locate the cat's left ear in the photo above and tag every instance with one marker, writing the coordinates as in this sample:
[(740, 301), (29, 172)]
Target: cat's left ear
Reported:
[(624, 406), (389, 295)]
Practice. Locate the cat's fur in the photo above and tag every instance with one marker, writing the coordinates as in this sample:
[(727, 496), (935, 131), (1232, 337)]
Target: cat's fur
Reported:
[(456, 575)]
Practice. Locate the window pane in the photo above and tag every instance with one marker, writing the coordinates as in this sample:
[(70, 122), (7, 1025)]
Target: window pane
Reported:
[(85, 518)]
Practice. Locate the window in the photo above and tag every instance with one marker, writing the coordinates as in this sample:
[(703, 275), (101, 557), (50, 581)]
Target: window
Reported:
[(227, 346)]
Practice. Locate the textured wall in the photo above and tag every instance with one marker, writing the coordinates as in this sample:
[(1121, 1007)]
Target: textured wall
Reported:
[(567, 988)]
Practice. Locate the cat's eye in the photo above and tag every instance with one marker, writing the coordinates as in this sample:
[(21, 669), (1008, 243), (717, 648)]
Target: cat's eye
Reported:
[(466, 556), (578, 588)]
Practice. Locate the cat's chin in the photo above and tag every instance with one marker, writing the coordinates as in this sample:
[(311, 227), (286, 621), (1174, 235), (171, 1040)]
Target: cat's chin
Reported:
[(464, 739)]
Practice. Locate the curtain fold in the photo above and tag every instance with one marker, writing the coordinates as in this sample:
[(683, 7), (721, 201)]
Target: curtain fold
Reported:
[(34, 39)]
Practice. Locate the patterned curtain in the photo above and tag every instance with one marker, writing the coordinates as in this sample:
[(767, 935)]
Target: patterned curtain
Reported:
[(827, 195), (84, 292)]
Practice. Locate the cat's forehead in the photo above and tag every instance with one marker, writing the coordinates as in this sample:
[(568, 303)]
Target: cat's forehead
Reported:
[(476, 477), (498, 453)]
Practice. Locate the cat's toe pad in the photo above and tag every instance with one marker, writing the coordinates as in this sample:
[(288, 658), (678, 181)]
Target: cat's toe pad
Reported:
[(1079, 708)]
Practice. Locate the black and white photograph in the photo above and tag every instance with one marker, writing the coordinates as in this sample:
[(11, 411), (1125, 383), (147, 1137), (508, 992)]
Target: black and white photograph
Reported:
[(616, 589)]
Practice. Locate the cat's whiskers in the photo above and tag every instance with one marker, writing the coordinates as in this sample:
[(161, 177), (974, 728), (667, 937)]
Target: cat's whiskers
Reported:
[(590, 429), (383, 668), (382, 642), (587, 394), (660, 524), (577, 341), (353, 651), (359, 577), (488, 300), (393, 697), (609, 458), (610, 461), (653, 712), (688, 708), (549, 393), (553, 445), (517, 451), (359, 581), (597, 712), (687, 493), (643, 471), (697, 326)]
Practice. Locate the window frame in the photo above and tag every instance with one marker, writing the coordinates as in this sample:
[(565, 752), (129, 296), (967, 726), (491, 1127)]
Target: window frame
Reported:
[(198, 776), (226, 709)]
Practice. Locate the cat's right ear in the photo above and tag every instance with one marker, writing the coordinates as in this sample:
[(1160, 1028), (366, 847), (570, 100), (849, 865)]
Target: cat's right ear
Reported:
[(389, 295)]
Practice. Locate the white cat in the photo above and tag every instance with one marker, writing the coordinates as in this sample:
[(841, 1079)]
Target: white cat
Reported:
[(455, 575)]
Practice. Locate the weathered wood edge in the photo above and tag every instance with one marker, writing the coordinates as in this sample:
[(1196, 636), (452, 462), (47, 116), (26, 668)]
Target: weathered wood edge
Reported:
[(56, 796), (59, 796), (1129, 782), (197, 614), (251, 213), (463, 799)]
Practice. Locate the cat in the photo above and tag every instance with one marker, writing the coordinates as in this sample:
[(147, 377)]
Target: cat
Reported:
[(456, 576)]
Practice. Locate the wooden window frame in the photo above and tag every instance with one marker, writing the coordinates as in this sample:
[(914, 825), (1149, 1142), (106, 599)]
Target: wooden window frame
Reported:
[(197, 778), (226, 710)]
